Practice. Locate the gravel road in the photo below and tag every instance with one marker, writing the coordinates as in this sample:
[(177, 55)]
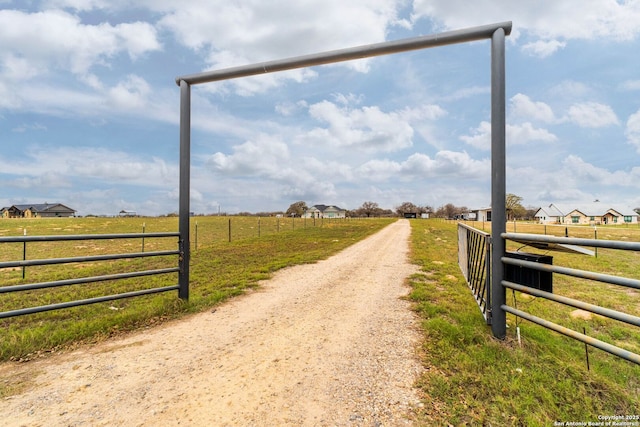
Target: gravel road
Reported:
[(325, 344)]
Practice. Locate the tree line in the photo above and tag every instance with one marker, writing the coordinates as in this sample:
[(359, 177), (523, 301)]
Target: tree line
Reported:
[(513, 203), (370, 209)]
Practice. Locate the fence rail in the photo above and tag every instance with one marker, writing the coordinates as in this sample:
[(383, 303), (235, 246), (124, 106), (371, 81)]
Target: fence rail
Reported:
[(83, 280), (470, 260), (475, 262), (604, 278)]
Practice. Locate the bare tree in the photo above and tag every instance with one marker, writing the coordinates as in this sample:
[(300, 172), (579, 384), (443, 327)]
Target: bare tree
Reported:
[(369, 209), (514, 207)]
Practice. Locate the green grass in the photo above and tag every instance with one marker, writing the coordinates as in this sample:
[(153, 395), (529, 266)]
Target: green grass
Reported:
[(470, 377), (219, 269), (474, 379)]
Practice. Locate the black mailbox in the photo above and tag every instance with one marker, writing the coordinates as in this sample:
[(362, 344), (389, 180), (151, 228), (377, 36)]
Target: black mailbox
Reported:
[(525, 276)]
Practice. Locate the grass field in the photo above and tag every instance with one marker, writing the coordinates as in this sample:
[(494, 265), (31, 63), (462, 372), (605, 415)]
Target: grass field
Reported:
[(470, 378), (219, 269), (474, 379)]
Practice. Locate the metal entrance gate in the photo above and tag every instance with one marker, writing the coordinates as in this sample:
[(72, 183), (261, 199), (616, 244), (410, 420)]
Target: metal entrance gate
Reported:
[(81, 259), (474, 249), (494, 32)]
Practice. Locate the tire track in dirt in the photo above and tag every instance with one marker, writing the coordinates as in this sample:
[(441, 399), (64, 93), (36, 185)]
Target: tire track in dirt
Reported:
[(324, 344)]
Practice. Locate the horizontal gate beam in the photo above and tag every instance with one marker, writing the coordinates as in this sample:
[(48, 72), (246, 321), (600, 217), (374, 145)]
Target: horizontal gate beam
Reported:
[(359, 52)]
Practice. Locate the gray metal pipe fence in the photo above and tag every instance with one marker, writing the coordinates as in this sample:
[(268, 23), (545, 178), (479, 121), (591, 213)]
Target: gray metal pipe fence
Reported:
[(474, 259), (588, 275), (90, 279), (470, 260)]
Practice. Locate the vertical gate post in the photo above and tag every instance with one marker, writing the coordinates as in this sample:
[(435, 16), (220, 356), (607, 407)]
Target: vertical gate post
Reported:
[(185, 175), (498, 182)]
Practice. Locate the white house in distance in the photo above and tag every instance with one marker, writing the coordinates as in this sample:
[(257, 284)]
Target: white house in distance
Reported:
[(596, 213), (482, 215), (324, 211)]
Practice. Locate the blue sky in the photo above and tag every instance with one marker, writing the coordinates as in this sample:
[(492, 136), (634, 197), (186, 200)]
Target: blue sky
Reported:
[(89, 109)]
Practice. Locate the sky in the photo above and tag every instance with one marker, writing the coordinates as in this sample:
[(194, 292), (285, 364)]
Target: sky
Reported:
[(89, 107)]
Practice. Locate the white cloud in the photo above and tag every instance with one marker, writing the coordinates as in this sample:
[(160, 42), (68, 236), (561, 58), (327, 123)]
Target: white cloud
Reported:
[(588, 114), (525, 133), (25, 127), (632, 131), (631, 85), (16, 68), (130, 94), (304, 28), (447, 163), (289, 108), (133, 96), (467, 92), (57, 39), (264, 156), (592, 115), (480, 138), (48, 179), (418, 165), (569, 89), (368, 128), (522, 106), (80, 5), (563, 194), (239, 33), (73, 163), (515, 134), (379, 170), (545, 19), (57, 100), (542, 48), (580, 172), (318, 168)]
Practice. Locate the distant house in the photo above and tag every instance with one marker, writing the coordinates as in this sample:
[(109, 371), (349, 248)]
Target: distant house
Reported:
[(42, 210), (596, 213), (482, 215), (466, 216), (124, 213), (549, 215), (324, 211)]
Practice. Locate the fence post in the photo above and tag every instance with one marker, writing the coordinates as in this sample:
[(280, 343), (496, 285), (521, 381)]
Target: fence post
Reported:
[(196, 237), (229, 230), (24, 254), (498, 183), (144, 225), (185, 189), (258, 226)]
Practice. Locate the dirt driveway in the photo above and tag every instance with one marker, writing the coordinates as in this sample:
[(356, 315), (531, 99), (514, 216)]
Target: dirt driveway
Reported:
[(325, 344)]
